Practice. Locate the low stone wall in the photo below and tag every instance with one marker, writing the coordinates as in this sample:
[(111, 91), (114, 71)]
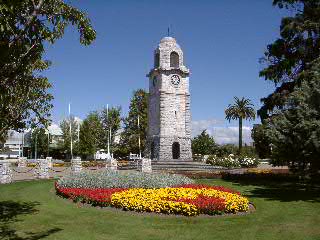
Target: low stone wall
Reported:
[(146, 165), (113, 164), (22, 162), (42, 169), (5, 172), (76, 165)]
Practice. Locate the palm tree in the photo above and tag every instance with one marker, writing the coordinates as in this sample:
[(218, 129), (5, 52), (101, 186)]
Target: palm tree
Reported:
[(241, 109)]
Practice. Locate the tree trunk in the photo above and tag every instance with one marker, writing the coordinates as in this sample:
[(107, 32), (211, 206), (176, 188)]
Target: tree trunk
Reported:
[(240, 134)]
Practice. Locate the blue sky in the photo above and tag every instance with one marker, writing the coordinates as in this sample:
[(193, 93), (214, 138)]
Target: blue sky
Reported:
[(222, 42)]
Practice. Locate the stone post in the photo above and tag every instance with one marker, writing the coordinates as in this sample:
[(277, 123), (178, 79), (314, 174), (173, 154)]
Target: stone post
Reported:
[(113, 164), (146, 165), (5, 172), (49, 159), (22, 162), (76, 165), (42, 169)]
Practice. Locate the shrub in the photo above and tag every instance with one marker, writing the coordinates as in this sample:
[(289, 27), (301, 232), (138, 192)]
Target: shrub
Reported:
[(227, 162), (232, 161), (111, 179), (248, 162)]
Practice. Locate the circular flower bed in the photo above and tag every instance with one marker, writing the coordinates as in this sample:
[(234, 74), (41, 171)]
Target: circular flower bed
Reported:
[(189, 200)]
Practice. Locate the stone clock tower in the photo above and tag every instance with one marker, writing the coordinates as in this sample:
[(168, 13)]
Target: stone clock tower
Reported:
[(169, 129)]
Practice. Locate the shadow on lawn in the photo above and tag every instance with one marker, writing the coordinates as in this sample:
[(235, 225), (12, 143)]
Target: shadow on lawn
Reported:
[(9, 212), (281, 191)]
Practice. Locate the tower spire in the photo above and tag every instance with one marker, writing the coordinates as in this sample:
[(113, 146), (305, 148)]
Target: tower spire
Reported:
[(169, 31)]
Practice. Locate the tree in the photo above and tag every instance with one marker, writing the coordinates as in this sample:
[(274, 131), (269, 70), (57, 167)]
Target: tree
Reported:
[(294, 132), (131, 133), (110, 119), (65, 144), (203, 144), (40, 137), (26, 26), (261, 142), (297, 46), (91, 135), (241, 109)]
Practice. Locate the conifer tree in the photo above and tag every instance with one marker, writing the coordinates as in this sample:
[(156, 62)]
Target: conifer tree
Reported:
[(132, 131)]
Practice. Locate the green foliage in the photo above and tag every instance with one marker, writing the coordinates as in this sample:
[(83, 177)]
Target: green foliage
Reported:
[(225, 150), (226, 162), (65, 144), (297, 46), (261, 143), (295, 131), (241, 109), (25, 27), (91, 135), (131, 133), (290, 114), (203, 144), (110, 120), (40, 137)]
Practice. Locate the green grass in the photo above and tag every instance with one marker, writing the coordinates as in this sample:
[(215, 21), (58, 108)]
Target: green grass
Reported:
[(31, 210)]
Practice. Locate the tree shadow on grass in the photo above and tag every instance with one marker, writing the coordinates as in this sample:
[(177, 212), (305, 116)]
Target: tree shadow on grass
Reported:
[(9, 213), (281, 191)]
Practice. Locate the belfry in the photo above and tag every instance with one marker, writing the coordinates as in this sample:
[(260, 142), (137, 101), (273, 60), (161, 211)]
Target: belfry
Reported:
[(169, 116)]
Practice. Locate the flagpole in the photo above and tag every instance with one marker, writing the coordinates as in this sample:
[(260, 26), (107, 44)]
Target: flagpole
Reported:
[(22, 142), (35, 147), (70, 131), (78, 131), (36, 142), (139, 137), (108, 142)]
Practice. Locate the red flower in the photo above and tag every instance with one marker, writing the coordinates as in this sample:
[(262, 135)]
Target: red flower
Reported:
[(219, 188), (98, 196)]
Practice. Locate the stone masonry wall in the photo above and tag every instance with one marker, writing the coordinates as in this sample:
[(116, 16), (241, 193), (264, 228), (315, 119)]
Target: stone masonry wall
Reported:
[(169, 106)]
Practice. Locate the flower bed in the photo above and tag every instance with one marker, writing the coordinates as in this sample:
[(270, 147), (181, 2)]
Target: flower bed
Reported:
[(232, 161), (189, 200), (112, 179)]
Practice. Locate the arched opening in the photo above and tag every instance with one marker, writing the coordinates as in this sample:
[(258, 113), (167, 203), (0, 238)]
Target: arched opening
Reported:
[(156, 60), (175, 150), (152, 150), (174, 60)]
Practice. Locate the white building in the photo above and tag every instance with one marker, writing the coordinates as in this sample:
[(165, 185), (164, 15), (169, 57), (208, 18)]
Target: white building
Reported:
[(13, 147), (17, 141)]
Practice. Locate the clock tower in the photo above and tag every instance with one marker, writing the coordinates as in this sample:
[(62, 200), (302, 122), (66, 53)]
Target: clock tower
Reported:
[(169, 117)]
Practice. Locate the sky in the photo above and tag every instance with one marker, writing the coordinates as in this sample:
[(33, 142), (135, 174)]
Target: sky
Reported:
[(222, 41)]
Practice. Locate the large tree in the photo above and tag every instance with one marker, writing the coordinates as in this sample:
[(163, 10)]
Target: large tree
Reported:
[(110, 120), (40, 142), (91, 135), (261, 142), (25, 27), (65, 143), (203, 144), (240, 110), (294, 132), (132, 131), (297, 46)]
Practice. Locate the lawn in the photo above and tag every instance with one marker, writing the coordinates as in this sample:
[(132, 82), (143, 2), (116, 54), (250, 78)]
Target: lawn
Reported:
[(31, 210)]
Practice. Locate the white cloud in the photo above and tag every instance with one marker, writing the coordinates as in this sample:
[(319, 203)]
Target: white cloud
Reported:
[(54, 129), (221, 134)]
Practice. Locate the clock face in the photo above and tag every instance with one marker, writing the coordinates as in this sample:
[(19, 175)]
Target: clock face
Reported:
[(175, 80)]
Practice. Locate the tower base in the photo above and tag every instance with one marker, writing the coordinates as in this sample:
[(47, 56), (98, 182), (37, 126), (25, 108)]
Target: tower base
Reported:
[(163, 148)]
